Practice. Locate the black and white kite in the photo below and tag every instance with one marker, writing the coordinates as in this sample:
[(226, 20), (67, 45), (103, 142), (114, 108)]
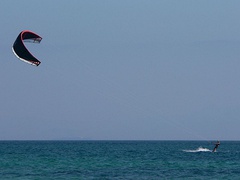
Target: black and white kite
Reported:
[(20, 50)]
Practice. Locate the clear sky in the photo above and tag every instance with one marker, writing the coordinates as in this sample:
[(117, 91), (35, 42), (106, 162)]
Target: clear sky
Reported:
[(122, 70)]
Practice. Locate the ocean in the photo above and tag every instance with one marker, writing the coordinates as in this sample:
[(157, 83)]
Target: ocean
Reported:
[(119, 160)]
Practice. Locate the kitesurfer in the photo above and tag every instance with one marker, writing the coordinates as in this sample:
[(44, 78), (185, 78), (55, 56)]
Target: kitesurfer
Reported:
[(216, 146)]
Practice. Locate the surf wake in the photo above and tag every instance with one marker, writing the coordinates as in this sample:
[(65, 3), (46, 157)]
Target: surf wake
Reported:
[(200, 149)]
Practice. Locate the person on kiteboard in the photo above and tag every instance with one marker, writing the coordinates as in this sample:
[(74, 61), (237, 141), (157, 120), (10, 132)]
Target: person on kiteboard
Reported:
[(216, 146)]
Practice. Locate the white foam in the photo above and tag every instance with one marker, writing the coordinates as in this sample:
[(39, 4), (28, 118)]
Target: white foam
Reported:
[(200, 149)]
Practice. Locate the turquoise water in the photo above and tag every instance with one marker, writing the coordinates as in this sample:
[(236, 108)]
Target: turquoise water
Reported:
[(119, 160)]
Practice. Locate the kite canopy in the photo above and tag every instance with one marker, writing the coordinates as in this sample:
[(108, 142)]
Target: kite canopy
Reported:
[(20, 50)]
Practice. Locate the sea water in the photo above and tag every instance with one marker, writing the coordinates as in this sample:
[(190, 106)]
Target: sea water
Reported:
[(119, 160)]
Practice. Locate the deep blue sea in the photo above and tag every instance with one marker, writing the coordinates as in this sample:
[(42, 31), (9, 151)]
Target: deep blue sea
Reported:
[(119, 160)]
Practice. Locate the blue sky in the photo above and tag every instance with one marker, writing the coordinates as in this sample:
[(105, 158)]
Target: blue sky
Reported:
[(122, 70)]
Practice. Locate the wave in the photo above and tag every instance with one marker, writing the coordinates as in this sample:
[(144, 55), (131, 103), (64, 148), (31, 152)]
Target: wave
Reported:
[(200, 149)]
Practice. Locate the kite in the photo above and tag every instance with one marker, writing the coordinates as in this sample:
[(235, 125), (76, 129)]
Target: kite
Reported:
[(20, 50)]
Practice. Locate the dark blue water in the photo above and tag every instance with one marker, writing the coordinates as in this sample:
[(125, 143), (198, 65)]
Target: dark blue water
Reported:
[(119, 160)]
